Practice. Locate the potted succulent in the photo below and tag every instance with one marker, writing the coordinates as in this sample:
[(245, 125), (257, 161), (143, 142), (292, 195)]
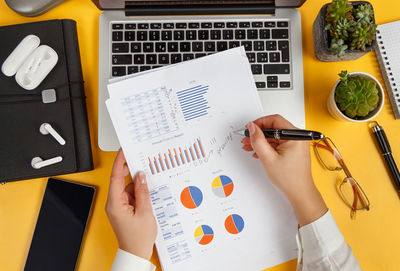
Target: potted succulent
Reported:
[(356, 97), (344, 30)]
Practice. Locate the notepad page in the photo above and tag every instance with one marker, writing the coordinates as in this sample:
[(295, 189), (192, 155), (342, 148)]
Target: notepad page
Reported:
[(388, 50)]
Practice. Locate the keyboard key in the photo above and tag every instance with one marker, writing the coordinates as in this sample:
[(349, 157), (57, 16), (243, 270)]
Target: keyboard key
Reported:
[(240, 34), (130, 26), (161, 47), (141, 35), (136, 47), (227, 34), (118, 71), (222, 46), (191, 35), (148, 47), (181, 25), (188, 57), (121, 59), (133, 69), (280, 33), (203, 34), (185, 46), (251, 57), (234, 44), (231, 25), (219, 25), (194, 25), (265, 34), (272, 84), (117, 26), (163, 59), (151, 59), (120, 47), (197, 46), (179, 35), (168, 26), (154, 35), (138, 59), (283, 44), (244, 24), (276, 69), (283, 24), (175, 58), (252, 34), (248, 46), (129, 35), (206, 25), (215, 34), (172, 47), (260, 84), (145, 68), (166, 35), (256, 24), (143, 26), (117, 35), (269, 24), (258, 45), (284, 84), (272, 78), (199, 55), (155, 26), (262, 57), (271, 45), (256, 69), (157, 66), (274, 57), (209, 46)]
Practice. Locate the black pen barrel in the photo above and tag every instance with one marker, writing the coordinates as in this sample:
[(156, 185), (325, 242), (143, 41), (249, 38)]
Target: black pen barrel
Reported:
[(394, 170)]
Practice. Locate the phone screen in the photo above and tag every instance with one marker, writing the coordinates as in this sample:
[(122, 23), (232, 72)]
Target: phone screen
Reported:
[(60, 226)]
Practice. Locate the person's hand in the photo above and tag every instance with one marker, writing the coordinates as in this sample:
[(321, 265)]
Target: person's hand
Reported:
[(129, 210), (288, 166)]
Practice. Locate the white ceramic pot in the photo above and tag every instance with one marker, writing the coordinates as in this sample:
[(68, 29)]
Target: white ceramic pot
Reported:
[(337, 114)]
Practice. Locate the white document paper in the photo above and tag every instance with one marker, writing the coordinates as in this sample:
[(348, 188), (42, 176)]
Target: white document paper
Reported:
[(215, 207)]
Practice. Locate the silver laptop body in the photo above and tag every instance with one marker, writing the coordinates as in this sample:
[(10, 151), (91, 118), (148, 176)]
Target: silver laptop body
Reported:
[(135, 38)]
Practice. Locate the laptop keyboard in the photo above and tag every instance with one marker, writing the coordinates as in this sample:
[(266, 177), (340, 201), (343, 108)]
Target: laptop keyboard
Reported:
[(142, 46)]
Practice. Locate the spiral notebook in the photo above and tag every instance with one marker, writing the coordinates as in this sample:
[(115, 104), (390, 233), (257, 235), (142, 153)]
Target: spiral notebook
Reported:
[(388, 54)]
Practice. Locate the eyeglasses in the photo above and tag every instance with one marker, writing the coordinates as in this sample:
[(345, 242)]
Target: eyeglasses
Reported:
[(350, 191)]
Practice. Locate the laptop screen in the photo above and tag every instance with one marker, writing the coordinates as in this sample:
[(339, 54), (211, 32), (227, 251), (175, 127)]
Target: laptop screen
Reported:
[(120, 4)]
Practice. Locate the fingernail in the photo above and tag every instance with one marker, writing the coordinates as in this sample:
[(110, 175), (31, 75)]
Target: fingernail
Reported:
[(142, 177), (251, 128)]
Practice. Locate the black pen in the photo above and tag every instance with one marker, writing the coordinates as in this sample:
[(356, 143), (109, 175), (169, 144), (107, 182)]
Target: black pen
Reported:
[(286, 134), (386, 152)]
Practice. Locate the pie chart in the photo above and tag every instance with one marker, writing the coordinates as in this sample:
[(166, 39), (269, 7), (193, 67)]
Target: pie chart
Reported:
[(222, 186), (234, 224), (203, 234), (191, 197)]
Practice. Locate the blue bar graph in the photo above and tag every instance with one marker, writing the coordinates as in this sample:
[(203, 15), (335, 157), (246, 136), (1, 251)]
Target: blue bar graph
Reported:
[(193, 102)]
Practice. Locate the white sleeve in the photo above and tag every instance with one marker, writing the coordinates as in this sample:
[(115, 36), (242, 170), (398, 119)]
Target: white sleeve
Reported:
[(322, 247), (125, 261)]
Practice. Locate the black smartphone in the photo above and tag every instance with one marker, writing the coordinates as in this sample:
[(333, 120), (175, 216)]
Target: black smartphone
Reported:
[(60, 226)]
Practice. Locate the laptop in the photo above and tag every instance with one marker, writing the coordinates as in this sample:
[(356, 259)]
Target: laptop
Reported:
[(136, 36)]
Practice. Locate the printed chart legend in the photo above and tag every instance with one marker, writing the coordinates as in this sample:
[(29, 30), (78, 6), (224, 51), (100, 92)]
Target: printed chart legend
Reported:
[(176, 157)]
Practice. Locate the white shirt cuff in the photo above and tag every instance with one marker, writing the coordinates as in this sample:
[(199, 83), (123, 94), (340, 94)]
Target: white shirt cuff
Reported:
[(125, 261), (320, 237)]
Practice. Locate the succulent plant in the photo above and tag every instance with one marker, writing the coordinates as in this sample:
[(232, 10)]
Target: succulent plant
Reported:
[(356, 96), (364, 14), (362, 36), (338, 47), (349, 27)]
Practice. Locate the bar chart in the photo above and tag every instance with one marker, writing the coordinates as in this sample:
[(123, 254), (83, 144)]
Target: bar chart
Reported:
[(193, 102), (176, 157)]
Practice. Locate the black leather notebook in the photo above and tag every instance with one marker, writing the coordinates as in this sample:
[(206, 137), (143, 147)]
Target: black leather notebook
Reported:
[(22, 111)]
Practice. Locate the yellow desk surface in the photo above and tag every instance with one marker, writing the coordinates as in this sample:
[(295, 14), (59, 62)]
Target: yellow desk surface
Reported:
[(374, 235)]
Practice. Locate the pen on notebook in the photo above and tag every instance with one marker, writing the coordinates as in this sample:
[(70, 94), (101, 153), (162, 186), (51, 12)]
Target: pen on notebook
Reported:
[(286, 134), (386, 150)]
